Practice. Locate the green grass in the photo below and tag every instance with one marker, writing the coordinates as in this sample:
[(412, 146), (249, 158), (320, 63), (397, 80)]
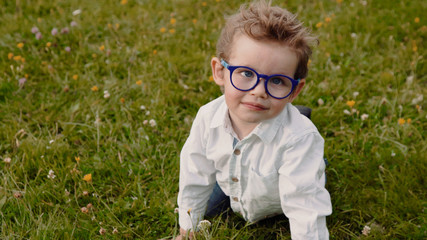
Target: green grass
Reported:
[(377, 169)]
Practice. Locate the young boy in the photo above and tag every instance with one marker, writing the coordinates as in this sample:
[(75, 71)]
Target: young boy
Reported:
[(251, 148)]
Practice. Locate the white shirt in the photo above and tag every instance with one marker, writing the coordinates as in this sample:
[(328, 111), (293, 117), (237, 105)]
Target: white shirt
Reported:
[(278, 168)]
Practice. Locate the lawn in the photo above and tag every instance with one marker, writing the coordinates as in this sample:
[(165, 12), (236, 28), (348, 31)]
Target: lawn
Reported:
[(98, 97)]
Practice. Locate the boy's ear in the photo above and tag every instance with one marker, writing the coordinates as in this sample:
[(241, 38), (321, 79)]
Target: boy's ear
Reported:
[(297, 89), (217, 71)]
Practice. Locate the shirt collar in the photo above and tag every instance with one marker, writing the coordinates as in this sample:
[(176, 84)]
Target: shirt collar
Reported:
[(266, 130)]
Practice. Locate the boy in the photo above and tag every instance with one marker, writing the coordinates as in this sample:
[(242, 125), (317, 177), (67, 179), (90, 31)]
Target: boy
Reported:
[(251, 149)]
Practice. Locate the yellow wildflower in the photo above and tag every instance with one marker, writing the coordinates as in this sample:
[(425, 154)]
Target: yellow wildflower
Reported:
[(48, 44), (122, 100), (173, 21), (94, 55), (351, 103), (309, 62), (88, 177), (414, 46), (194, 21), (109, 25), (75, 76), (409, 120), (339, 1), (123, 2), (154, 52), (211, 78), (94, 88), (17, 58), (26, 75), (417, 20), (328, 19), (20, 45), (163, 30), (10, 55), (319, 24), (139, 82), (23, 60), (172, 31), (401, 121), (101, 48), (117, 25), (77, 158), (204, 4)]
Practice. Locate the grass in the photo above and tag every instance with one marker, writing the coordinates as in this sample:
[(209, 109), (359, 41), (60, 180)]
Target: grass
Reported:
[(156, 54)]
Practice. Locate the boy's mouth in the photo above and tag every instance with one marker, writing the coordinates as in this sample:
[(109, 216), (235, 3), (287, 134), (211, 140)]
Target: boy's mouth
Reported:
[(254, 106)]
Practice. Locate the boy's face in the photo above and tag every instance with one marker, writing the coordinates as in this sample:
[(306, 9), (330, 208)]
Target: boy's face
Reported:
[(266, 57)]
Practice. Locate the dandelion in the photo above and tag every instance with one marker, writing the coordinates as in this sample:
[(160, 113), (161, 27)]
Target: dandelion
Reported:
[(339, 1), (10, 56), (417, 20), (401, 121), (115, 231), (67, 49), (154, 52), (204, 224), (54, 31), (75, 77), (319, 24), (94, 88), (7, 160), (51, 174), (122, 100), (117, 25), (102, 231), (123, 2), (106, 94), (409, 120), (172, 31), (139, 82), (347, 112), (414, 46), (328, 19), (77, 158), (189, 211), (84, 210), (204, 4), (77, 12), (94, 55), (364, 116), (350, 103), (39, 36), (194, 21), (102, 48), (65, 30), (48, 44), (20, 45), (366, 230), (320, 102), (173, 21), (163, 30), (152, 122), (88, 177), (73, 24)]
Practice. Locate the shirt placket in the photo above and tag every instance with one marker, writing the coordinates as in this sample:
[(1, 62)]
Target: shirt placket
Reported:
[(234, 178)]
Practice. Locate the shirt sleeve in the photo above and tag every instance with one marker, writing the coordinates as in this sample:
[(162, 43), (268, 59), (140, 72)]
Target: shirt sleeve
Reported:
[(197, 176), (304, 199)]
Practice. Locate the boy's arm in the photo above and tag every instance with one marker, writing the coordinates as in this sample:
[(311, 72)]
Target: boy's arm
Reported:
[(197, 177), (304, 199)]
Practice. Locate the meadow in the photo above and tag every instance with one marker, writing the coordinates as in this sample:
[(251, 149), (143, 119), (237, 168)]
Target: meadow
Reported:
[(98, 97)]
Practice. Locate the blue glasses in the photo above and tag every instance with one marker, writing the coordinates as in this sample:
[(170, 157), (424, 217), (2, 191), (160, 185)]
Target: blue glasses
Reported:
[(245, 79)]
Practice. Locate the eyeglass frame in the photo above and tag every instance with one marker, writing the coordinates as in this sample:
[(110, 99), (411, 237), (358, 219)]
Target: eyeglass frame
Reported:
[(259, 76)]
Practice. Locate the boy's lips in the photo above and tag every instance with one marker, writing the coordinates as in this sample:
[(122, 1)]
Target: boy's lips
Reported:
[(254, 106)]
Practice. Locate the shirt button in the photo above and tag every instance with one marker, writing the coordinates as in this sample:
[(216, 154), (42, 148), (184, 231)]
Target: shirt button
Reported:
[(234, 179), (237, 152), (235, 199)]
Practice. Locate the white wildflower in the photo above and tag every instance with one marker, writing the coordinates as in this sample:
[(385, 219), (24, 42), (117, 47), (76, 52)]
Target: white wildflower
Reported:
[(347, 112), (54, 31), (364, 116), (366, 230), (409, 80), (355, 94), (320, 101), (35, 30), (153, 123), (51, 141), (147, 113), (393, 153), (73, 24), (51, 174), (39, 36), (145, 122), (418, 99), (115, 231), (204, 224), (353, 35), (143, 107), (77, 12), (7, 160), (106, 94)]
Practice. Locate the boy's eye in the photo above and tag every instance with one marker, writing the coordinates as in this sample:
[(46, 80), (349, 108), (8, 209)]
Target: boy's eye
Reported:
[(277, 81), (247, 74)]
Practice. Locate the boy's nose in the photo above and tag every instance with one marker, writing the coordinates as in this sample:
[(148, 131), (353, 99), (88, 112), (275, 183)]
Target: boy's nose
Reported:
[(259, 89)]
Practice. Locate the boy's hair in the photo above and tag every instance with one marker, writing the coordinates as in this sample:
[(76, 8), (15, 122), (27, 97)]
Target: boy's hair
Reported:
[(261, 21)]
